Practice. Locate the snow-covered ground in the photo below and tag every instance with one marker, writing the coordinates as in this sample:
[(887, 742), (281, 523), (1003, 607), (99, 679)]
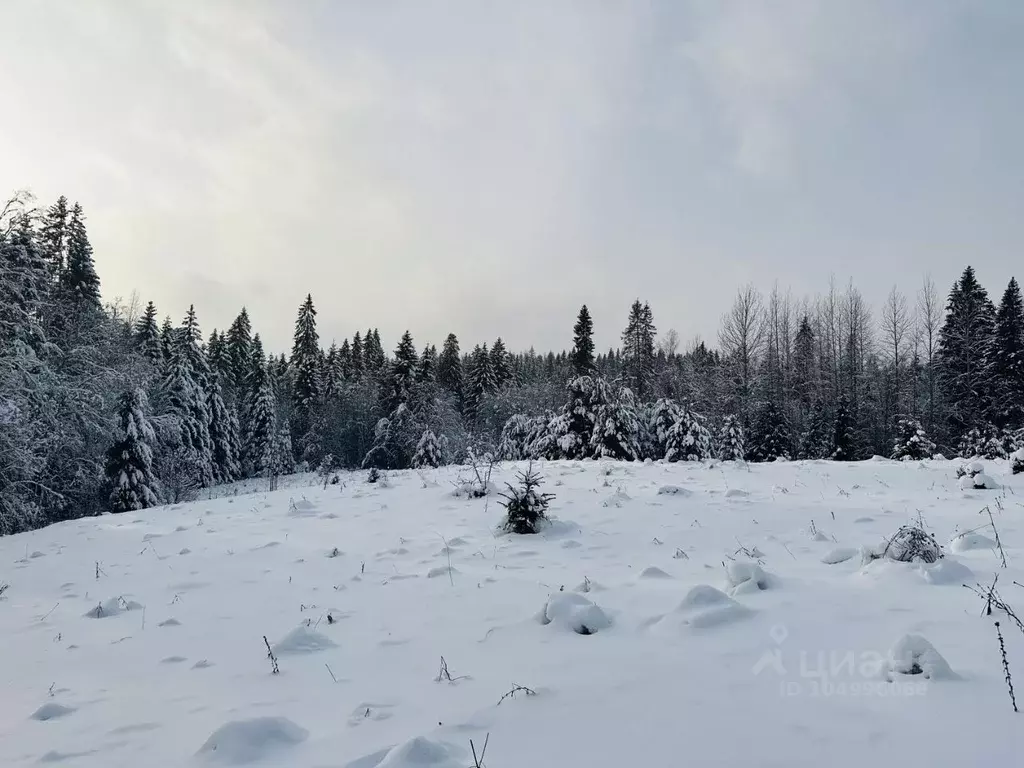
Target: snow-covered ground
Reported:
[(731, 619)]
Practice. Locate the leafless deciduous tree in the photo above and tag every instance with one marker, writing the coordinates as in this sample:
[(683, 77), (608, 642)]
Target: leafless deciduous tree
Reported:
[(929, 321), (742, 338)]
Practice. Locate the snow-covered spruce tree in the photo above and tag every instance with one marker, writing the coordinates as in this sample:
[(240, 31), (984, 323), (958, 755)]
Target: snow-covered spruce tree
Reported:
[(587, 395), (479, 382), (816, 439), (544, 436), (184, 399), (513, 444), (500, 369), (449, 367), (582, 356), (1007, 357), (147, 335), (769, 434), (306, 364), (261, 433), (912, 443), (663, 417), (965, 354), (129, 466), (615, 427), (426, 368), (525, 507), (285, 452), (688, 439), (638, 350), (395, 391), (844, 438), (239, 348), (80, 280), (985, 442), (223, 434), (731, 444), (428, 451), (393, 441)]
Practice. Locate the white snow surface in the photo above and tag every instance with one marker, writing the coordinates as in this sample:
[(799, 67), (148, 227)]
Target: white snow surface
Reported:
[(676, 663)]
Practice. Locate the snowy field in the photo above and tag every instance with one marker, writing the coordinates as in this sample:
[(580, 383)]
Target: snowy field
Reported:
[(731, 622)]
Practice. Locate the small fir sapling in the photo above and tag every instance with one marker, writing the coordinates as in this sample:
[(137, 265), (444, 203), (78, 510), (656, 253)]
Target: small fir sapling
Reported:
[(525, 507)]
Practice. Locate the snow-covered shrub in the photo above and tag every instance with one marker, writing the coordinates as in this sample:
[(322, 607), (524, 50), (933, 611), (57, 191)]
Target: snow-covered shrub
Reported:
[(731, 444), (912, 442), (542, 441), (911, 543), (688, 439), (986, 443), (913, 655), (525, 507), (662, 416), (586, 396), (428, 451), (616, 428), (1017, 461), (515, 438)]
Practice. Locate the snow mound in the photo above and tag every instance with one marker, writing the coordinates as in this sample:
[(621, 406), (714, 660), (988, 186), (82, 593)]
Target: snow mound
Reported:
[(966, 542), (748, 577), (945, 571), (616, 500), (51, 710), (302, 508), (169, 623), (111, 607), (673, 490), (303, 639), (736, 493), (913, 655), (424, 753), (441, 570), (978, 482), (246, 741), (840, 555), (653, 572), (704, 606), (569, 610), (589, 586)]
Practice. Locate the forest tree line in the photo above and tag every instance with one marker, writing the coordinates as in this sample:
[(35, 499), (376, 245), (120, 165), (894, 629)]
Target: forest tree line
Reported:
[(108, 407)]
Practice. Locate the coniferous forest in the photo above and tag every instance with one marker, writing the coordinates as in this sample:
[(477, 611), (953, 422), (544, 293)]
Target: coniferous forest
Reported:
[(114, 407)]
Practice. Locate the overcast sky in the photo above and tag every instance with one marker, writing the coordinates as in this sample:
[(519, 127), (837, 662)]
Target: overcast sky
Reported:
[(485, 167)]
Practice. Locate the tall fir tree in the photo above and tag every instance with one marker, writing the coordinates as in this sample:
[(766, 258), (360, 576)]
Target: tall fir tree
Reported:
[(223, 434), (582, 356), (186, 401), (1008, 359), (358, 360), (449, 367), (54, 238), (80, 280), (239, 349), (638, 350), (129, 466), (261, 451), (426, 369), (189, 338), (147, 335), (306, 364), (166, 340), (480, 381), (965, 354), (403, 374), (500, 368)]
